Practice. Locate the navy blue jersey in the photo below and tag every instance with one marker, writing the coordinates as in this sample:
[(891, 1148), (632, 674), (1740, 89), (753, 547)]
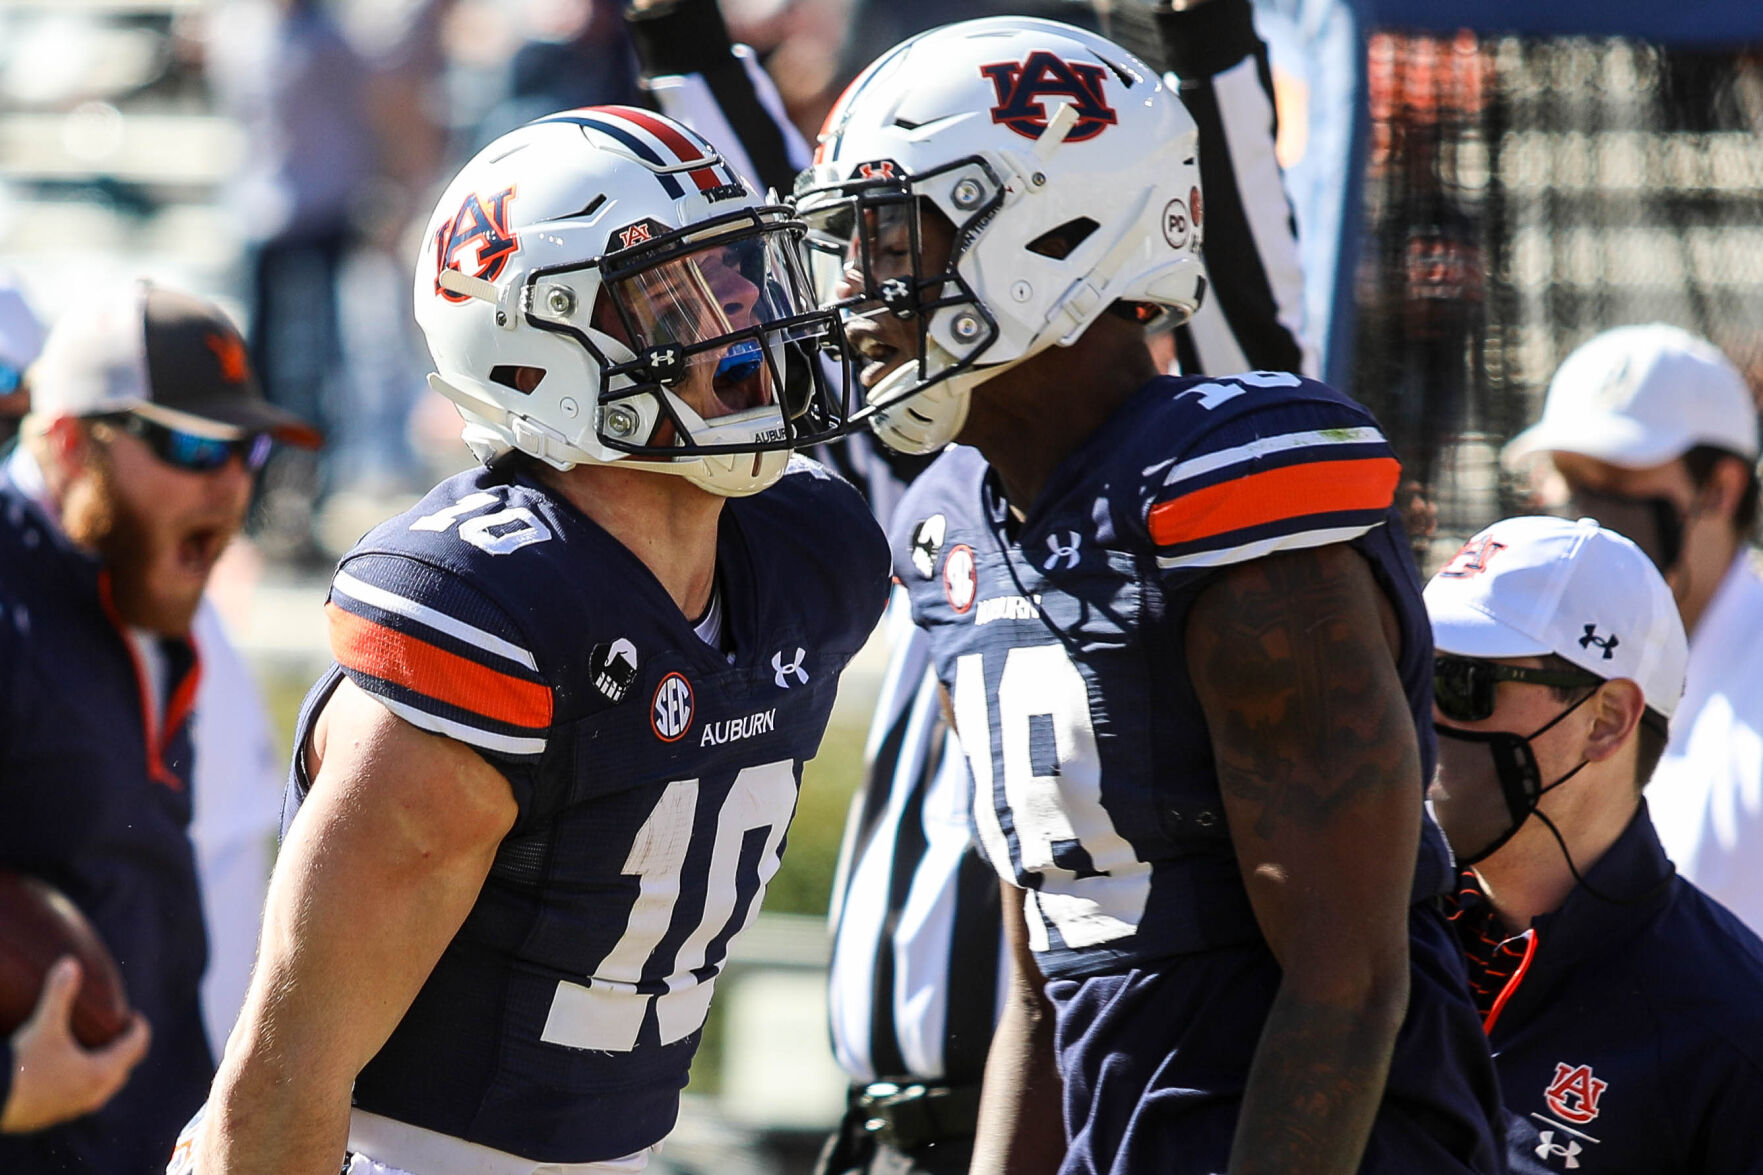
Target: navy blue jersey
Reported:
[(655, 777), (1062, 645)]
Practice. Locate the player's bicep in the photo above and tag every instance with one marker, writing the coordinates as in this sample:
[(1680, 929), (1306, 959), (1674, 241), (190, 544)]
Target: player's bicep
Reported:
[(1293, 661), (378, 871)]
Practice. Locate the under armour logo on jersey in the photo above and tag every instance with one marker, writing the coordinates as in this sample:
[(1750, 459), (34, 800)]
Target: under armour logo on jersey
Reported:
[(613, 669), (793, 669), (1471, 559), (1574, 1093), (1548, 1149), (1608, 644), (1066, 551), (480, 226), (670, 711), (1044, 75)]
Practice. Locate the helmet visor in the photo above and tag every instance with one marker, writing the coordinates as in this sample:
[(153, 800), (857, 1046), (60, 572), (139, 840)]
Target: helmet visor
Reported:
[(704, 319)]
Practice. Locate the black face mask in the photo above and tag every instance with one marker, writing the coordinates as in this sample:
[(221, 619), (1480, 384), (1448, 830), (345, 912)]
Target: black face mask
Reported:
[(1655, 525), (1482, 823)]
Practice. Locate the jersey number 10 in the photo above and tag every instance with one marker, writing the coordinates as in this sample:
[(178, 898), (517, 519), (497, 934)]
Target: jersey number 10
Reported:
[(607, 1011)]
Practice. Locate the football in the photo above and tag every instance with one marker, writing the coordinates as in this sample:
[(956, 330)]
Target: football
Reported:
[(38, 925)]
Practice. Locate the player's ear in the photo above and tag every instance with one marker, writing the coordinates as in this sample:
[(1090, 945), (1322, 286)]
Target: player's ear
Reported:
[(1616, 712)]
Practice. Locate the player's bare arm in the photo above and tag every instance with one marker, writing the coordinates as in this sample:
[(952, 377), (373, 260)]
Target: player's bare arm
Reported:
[(377, 873), (1021, 1127), (1292, 658)]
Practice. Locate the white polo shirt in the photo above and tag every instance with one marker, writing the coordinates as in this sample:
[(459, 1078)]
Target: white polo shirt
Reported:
[(1707, 794)]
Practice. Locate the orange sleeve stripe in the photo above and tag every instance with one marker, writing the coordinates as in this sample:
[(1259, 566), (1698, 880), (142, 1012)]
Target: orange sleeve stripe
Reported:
[(386, 653), (1295, 491)]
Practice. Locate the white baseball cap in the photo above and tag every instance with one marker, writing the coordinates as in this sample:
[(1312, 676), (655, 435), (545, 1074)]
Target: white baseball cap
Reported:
[(1528, 587), (1641, 395)]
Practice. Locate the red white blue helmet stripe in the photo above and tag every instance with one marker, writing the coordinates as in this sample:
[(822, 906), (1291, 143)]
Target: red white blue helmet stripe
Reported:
[(663, 144)]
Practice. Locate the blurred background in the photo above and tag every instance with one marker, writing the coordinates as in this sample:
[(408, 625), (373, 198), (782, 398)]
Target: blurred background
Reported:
[(1479, 188)]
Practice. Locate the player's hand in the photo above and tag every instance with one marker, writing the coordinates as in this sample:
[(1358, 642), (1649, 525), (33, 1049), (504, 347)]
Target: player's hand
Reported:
[(54, 1077)]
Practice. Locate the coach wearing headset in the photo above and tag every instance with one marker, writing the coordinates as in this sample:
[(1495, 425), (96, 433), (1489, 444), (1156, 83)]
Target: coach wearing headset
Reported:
[(1623, 1005)]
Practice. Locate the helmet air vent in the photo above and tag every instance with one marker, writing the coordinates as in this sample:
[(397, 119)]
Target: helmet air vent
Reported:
[(522, 379), (1058, 243)]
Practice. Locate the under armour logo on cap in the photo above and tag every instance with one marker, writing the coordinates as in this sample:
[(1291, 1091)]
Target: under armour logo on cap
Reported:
[(1608, 644)]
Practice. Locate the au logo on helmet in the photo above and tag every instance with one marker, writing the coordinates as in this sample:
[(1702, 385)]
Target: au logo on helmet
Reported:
[(480, 227), (640, 233), (1021, 85)]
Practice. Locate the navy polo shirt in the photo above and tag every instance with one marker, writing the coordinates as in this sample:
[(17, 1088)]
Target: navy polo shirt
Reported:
[(1628, 1034), (95, 800)]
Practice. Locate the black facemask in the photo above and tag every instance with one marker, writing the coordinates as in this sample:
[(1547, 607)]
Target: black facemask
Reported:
[(1481, 824), (1655, 525)]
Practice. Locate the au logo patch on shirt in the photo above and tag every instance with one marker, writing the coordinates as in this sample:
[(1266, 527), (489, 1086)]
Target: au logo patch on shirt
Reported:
[(1574, 1093)]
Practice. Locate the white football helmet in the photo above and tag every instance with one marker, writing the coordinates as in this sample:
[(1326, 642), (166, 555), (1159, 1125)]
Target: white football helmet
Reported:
[(600, 286), (1069, 171)]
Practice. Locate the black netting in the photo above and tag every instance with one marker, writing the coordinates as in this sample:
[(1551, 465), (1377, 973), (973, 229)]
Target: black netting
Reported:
[(1520, 196)]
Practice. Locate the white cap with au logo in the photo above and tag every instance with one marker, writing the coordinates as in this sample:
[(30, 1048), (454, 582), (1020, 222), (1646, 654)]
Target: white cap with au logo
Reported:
[(1528, 587)]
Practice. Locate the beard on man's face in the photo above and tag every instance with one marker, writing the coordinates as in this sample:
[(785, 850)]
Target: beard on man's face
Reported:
[(150, 582)]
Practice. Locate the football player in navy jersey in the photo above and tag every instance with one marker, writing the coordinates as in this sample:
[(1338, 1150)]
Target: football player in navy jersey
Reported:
[(550, 774), (1179, 629)]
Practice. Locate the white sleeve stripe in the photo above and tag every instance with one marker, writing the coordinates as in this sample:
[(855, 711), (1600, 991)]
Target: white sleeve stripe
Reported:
[(1211, 462), (1246, 111), (1255, 550), (379, 597), (472, 736)]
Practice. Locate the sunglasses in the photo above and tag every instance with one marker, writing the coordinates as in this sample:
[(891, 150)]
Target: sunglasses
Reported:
[(1463, 687), (188, 451)]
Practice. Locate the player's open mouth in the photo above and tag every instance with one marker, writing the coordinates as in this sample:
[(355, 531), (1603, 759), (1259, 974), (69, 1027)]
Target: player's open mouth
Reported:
[(739, 382), (880, 358)]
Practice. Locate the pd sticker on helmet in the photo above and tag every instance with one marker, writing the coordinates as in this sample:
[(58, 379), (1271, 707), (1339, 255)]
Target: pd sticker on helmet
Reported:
[(1021, 85), (1177, 228), (480, 227)]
